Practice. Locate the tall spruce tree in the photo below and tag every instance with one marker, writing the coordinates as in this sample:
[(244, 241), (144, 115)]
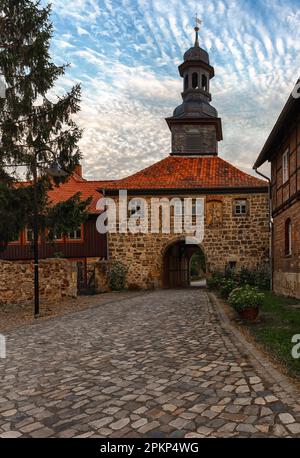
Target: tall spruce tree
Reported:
[(36, 128)]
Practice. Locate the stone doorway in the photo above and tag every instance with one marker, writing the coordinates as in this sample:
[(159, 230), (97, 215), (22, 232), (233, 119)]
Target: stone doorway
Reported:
[(180, 261)]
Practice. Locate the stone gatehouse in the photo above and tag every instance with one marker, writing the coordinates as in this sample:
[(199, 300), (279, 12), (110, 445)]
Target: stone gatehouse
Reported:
[(236, 205), (230, 239)]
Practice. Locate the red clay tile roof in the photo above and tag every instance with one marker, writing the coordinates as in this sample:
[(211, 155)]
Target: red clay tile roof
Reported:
[(72, 186), (176, 172)]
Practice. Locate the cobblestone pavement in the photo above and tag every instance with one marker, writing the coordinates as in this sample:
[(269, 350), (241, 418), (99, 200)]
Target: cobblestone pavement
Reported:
[(161, 364)]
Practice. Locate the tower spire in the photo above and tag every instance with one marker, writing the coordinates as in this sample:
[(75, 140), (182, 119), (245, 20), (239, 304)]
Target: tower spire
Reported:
[(195, 126), (197, 23)]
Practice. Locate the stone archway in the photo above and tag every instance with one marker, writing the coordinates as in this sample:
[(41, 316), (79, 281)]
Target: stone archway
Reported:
[(176, 264)]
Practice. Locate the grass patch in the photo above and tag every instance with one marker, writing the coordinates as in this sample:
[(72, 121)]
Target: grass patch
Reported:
[(279, 322)]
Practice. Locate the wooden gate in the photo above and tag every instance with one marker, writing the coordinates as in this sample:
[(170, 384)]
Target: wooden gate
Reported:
[(177, 264), (85, 278), (176, 267)]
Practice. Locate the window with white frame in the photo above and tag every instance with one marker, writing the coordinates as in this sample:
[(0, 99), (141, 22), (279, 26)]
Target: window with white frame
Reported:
[(285, 166), (29, 235), (75, 235), (58, 236), (240, 207), (54, 236), (15, 238)]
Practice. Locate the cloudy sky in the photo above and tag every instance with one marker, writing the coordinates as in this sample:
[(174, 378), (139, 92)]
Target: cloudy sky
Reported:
[(126, 53)]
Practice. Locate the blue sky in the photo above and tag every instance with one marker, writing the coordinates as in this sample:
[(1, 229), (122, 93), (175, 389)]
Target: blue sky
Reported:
[(126, 52)]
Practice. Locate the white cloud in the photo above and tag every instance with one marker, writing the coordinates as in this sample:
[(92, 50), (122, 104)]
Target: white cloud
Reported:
[(126, 53), (63, 44), (82, 31)]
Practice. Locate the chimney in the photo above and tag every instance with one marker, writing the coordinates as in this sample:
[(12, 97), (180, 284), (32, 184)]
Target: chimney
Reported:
[(78, 170)]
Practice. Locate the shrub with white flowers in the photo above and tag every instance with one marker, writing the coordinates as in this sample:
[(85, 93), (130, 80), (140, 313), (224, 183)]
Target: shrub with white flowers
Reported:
[(246, 297)]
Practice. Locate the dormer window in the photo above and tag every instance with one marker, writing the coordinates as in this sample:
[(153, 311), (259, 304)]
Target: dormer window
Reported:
[(195, 80)]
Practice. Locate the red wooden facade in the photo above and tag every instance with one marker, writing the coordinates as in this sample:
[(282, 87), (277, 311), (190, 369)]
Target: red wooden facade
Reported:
[(91, 245)]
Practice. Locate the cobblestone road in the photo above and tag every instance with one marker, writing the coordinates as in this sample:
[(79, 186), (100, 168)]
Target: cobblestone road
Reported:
[(159, 364)]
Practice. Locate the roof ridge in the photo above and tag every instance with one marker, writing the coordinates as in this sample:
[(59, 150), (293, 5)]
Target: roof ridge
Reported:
[(100, 181), (143, 170)]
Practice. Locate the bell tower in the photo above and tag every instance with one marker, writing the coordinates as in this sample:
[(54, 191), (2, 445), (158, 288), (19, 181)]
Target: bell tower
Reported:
[(195, 126)]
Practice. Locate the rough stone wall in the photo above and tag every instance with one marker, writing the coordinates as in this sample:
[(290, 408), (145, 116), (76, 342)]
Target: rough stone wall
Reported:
[(58, 279), (286, 278), (101, 276), (287, 284), (228, 238), (207, 138)]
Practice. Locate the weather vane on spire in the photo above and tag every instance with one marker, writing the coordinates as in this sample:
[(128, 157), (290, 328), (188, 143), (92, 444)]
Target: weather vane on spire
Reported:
[(198, 22)]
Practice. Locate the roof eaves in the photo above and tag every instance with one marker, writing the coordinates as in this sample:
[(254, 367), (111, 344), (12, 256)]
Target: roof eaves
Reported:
[(196, 190)]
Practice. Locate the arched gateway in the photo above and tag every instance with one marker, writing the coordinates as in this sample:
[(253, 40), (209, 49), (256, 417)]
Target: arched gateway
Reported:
[(177, 264)]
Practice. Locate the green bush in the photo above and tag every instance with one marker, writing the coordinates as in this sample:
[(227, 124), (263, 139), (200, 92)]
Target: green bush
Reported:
[(246, 277), (263, 277), (246, 297), (117, 276), (231, 279), (231, 274), (227, 285), (215, 280)]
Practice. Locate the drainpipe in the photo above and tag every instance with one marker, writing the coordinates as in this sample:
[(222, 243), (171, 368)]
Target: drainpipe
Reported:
[(106, 235), (271, 222)]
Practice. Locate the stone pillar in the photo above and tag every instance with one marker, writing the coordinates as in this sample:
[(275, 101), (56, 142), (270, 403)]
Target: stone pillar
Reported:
[(101, 276)]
